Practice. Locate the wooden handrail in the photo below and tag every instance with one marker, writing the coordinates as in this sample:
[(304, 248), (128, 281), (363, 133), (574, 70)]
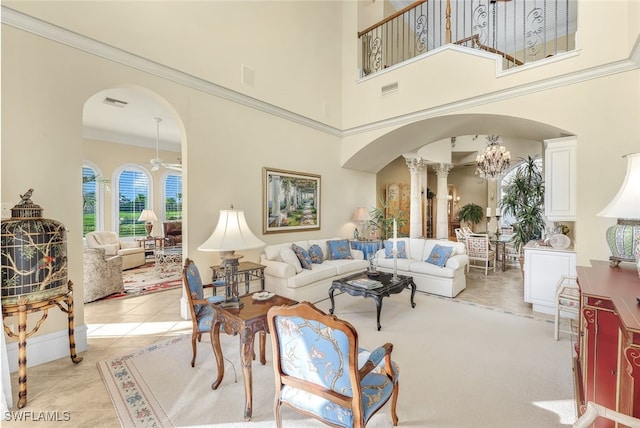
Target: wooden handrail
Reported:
[(476, 40), (389, 18)]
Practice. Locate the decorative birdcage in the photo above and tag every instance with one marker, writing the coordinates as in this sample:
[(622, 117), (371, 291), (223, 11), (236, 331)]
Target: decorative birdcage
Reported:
[(33, 255)]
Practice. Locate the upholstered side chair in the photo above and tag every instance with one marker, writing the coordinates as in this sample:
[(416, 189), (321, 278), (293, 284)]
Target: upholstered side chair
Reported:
[(199, 307), (102, 274), (321, 372), (132, 254)]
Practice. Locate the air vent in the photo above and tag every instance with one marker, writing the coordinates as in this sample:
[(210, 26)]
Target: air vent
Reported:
[(390, 88), (114, 102)]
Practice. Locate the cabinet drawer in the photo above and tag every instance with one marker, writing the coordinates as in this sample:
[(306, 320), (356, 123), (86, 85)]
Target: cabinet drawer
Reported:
[(598, 302)]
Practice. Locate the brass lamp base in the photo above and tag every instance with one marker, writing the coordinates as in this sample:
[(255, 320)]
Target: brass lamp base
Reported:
[(148, 227)]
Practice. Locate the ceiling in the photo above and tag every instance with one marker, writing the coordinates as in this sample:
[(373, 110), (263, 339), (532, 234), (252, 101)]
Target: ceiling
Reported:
[(130, 119)]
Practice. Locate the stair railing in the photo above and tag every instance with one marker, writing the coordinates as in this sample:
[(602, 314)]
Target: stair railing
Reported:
[(519, 31)]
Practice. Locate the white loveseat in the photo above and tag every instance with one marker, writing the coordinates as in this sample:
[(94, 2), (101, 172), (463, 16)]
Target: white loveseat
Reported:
[(447, 281), (285, 277)]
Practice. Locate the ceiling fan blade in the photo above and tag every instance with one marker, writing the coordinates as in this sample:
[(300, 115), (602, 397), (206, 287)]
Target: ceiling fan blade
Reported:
[(174, 167)]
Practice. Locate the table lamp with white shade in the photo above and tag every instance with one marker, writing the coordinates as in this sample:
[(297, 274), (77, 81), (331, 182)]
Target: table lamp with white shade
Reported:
[(231, 233), (363, 217), (149, 217), (623, 237)]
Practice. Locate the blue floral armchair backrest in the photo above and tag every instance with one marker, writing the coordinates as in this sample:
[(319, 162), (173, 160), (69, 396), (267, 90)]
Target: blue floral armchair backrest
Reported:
[(192, 276), (314, 352)]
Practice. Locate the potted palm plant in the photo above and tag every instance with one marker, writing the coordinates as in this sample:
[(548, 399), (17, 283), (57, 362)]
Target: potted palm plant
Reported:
[(471, 213), (523, 198), (383, 222)]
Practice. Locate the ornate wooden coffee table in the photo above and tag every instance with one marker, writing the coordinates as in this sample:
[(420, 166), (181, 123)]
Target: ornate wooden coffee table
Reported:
[(388, 287), (246, 321)]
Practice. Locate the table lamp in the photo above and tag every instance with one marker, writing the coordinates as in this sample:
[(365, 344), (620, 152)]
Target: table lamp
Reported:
[(362, 216), (149, 216), (231, 233), (625, 206)]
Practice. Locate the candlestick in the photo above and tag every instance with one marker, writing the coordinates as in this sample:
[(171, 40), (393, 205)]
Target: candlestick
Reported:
[(395, 235)]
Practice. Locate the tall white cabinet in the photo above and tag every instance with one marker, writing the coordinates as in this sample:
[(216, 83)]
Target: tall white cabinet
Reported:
[(560, 178), (543, 266)]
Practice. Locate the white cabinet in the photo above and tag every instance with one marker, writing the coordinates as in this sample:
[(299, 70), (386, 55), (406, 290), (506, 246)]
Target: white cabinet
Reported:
[(543, 267), (560, 179)]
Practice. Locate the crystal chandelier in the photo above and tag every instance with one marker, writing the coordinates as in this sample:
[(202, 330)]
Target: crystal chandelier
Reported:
[(495, 159)]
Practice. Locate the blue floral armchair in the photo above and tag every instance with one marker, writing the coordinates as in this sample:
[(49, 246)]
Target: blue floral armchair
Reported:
[(321, 372), (199, 307)]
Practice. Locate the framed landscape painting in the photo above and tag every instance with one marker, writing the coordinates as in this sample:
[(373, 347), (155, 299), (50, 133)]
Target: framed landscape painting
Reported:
[(291, 201)]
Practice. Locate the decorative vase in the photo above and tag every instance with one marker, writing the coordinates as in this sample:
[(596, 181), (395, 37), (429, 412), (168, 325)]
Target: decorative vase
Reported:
[(33, 255), (622, 241)]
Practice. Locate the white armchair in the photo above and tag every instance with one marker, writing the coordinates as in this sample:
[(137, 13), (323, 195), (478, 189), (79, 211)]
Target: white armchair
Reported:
[(102, 274), (132, 254)]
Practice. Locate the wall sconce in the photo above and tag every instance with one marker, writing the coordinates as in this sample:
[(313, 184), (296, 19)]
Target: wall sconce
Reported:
[(106, 183)]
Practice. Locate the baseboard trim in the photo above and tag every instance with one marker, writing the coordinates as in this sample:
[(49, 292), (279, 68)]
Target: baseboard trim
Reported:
[(48, 347)]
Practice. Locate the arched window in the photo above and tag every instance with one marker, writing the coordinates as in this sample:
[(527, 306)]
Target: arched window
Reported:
[(507, 220), (134, 187), (172, 195), (92, 198)]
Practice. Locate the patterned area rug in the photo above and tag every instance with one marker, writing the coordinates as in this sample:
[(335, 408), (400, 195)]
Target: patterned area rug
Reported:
[(507, 368), (147, 279)]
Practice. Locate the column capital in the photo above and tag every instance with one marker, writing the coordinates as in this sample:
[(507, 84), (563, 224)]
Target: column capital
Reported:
[(415, 164), (442, 169)]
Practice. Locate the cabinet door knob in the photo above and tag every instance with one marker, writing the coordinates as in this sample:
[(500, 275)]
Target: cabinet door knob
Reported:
[(613, 372)]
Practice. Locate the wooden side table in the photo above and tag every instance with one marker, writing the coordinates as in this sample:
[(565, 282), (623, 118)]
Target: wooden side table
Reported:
[(251, 271), (21, 310), (246, 321)]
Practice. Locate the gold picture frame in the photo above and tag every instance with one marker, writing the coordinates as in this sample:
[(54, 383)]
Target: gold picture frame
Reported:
[(290, 201)]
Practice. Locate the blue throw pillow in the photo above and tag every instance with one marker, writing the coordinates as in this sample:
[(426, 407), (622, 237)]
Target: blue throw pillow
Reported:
[(315, 253), (303, 256), (388, 248), (339, 250), (439, 255)]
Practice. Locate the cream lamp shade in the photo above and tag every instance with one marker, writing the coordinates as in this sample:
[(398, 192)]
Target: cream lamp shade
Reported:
[(232, 233), (362, 216), (148, 216), (625, 206)]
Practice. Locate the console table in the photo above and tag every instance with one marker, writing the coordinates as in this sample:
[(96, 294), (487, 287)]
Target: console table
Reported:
[(607, 362)]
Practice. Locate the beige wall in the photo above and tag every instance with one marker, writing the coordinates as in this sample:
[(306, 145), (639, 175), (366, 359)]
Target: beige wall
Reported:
[(225, 147)]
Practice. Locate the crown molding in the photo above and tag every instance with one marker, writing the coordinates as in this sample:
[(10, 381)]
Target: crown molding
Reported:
[(58, 34)]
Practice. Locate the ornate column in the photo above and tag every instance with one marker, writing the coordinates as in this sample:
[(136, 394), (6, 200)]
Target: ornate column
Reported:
[(416, 167), (442, 224)]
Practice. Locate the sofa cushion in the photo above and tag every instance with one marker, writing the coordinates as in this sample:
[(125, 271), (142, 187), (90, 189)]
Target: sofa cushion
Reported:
[(272, 252), (439, 255), (348, 266), (308, 276), (303, 256), (429, 269), (316, 254), (288, 256), (388, 248), (339, 249), (403, 264)]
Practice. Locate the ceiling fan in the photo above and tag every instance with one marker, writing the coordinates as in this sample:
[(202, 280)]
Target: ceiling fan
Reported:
[(157, 163)]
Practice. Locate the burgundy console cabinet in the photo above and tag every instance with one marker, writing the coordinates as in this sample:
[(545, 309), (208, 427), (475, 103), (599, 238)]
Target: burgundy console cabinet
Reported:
[(608, 353)]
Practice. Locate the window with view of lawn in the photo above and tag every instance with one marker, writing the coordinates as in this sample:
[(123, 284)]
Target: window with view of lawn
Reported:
[(134, 188)]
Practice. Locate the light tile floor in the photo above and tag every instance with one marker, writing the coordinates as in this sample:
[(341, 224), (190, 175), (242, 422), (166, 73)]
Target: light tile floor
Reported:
[(116, 327)]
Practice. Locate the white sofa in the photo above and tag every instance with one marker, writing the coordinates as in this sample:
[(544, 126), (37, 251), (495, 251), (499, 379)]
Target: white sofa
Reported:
[(447, 281), (284, 277)]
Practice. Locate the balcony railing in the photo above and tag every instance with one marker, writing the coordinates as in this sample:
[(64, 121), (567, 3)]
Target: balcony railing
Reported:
[(520, 31)]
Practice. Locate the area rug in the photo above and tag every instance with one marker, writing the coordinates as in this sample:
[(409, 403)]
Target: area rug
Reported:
[(145, 280), (461, 366)]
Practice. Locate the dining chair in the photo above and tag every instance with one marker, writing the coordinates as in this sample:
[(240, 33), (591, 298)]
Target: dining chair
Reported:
[(479, 249), (567, 304), (321, 371), (199, 307), (460, 236), (595, 411)]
